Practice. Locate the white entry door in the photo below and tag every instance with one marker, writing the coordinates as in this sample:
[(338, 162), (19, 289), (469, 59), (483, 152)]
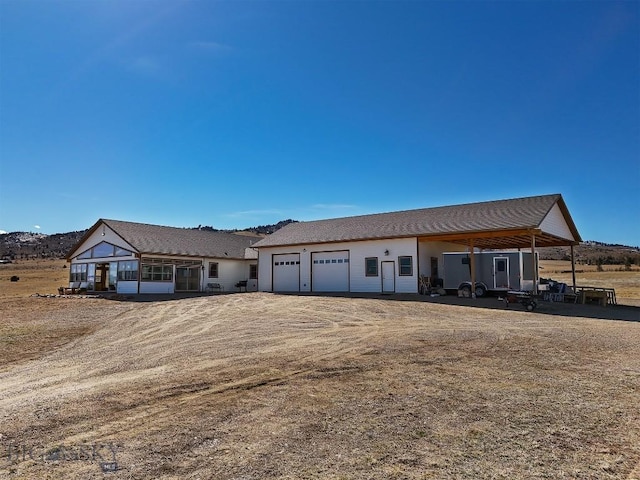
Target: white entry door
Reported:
[(286, 272), (388, 277), (501, 272), (330, 271)]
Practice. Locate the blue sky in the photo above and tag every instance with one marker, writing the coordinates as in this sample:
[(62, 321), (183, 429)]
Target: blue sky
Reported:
[(236, 114)]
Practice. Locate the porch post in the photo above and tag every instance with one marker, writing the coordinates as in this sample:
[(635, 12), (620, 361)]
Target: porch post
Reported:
[(534, 263), (573, 268), (472, 265)]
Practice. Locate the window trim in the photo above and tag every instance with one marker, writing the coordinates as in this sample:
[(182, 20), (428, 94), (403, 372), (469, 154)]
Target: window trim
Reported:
[(164, 271), (366, 267), (78, 272), (217, 270), (128, 275), (400, 266)]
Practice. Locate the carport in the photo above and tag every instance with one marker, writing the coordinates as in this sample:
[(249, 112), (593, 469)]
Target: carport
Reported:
[(556, 229)]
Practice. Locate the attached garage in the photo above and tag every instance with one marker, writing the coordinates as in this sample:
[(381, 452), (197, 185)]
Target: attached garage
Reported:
[(330, 271), (286, 272)]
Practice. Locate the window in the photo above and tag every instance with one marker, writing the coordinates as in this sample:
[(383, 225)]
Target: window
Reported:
[(253, 271), (157, 273), (104, 250), (213, 270), (128, 270), (78, 272), (406, 266), (371, 266)]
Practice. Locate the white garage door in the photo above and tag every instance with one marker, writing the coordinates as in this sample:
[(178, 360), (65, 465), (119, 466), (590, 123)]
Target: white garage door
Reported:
[(286, 272), (330, 271)]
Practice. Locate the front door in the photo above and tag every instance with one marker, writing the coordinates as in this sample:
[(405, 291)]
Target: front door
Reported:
[(500, 272), (102, 277), (388, 277), (188, 279)]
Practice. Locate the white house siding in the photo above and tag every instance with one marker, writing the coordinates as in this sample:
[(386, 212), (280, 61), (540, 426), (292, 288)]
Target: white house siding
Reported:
[(358, 251), (427, 249), (109, 236), (156, 287), (252, 283), (230, 272), (127, 287), (555, 224)]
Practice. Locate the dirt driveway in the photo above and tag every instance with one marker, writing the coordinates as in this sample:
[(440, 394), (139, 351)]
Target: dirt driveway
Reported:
[(260, 386)]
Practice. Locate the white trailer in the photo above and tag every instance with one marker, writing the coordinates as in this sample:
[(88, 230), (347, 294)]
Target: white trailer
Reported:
[(495, 271)]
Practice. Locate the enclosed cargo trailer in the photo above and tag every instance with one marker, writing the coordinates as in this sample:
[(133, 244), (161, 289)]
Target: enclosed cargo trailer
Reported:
[(495, 271)]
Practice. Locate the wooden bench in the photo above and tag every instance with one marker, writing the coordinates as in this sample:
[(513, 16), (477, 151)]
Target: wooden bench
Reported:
[(211, 287), (603, 296), (72, 289)]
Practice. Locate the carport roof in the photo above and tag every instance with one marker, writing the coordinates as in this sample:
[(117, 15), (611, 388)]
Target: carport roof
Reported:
[(496, 224)]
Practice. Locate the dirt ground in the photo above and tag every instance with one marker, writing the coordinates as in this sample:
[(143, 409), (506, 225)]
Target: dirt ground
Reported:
[(263, 386)]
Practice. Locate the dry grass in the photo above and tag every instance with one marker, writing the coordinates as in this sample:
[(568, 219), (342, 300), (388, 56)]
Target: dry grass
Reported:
[(261, 386), (626, 283), (36, 276)]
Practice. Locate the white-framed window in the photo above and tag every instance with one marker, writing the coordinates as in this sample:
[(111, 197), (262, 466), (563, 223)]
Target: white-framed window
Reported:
[(213, 270), (128, 270), (78, 272), (253, 271), (157, 273), (371, 266), (406, 266)]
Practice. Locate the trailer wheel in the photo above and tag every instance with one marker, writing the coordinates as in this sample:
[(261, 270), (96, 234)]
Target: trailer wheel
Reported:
[(465, 290), (481, 291), (531, 306)]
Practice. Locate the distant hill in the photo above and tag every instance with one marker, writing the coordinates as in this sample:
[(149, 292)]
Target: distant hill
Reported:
[(29, 245), (593, 253), (24, 245)]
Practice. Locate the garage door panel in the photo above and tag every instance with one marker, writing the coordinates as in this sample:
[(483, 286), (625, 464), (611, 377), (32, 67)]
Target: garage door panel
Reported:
[(330, 271), (286, 272)]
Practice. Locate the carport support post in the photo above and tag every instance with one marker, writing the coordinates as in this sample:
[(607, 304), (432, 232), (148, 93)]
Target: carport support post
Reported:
[(573, 268), (534, 264), (472, 265)]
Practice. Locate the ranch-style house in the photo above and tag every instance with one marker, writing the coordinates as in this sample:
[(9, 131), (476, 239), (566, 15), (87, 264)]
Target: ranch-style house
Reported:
[(130, 258), (385, 252)]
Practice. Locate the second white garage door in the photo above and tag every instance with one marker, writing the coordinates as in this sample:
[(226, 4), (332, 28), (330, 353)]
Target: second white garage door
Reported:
[(286, 272), (330, 271)]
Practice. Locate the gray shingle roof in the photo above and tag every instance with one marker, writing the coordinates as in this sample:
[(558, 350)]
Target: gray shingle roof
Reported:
[(156, 239), (519, 213)]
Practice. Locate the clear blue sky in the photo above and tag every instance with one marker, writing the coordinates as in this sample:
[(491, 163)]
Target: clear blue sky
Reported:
[(235, 114)]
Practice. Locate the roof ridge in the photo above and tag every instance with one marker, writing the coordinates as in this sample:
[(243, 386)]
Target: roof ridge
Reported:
[(393, 212)]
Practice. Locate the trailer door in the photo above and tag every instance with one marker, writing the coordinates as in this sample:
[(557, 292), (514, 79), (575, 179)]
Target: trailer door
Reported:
[(501, 273)]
